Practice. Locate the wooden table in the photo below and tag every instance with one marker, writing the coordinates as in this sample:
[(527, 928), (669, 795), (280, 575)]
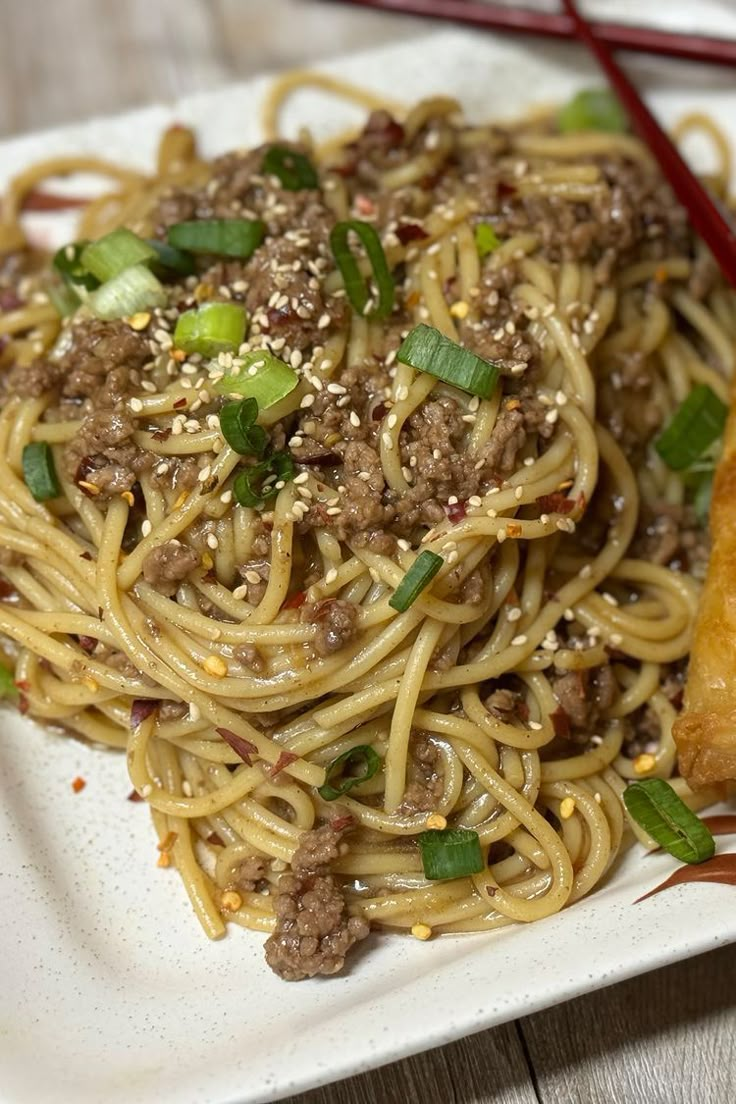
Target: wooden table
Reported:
[(666, 1038)]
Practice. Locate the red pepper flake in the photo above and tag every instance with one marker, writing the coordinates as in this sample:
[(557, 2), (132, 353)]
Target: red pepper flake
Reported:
[(556, 503), (22, 684), (23, 705), (215, 840), (87, 643), (180, 403), (339, 824), (6, 589), (522, 711), (242, 747), (48, 201), (410, 231), (141, 709), (162, 434), (560, 722), (134, 796), (364, 205), (412, 299), (284, 760), (78, 784), (295, 600), (455, 511), (168, 841), (505, 188)]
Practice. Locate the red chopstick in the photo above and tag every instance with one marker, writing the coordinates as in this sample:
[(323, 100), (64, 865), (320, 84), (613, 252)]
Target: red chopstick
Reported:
[(715, 230), (620, 36)]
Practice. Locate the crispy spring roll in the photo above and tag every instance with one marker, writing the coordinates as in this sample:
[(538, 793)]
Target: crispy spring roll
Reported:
[(706, 731)]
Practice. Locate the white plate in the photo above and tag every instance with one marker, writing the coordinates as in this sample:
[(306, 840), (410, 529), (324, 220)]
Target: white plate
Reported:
[(110, 992)]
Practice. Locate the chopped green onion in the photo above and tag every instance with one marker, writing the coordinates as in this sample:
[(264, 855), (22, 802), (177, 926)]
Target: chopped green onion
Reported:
[(224, 237), (695, 425), (593, 109), (68, 263), (64, 298), (450, 853), (117, 251), (262, 377), (278, 468), (238, 427), (663, 815), (356, 286), (420, 575), (169, 258), (428, 350), (362, 759), (702, 499), (132, 290), (8, 689), (485, 239), (212, 329), (39, 471), (294, 170)]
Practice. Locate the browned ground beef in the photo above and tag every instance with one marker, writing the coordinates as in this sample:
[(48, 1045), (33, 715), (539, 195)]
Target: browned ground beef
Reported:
[(424, 775), (314, 930), (249, 872), (166, 566), (583, 697), (249, 656), (671, 535), (336, 622)]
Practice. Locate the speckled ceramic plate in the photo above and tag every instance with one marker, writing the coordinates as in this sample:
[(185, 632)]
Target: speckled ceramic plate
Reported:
[(110, 992)]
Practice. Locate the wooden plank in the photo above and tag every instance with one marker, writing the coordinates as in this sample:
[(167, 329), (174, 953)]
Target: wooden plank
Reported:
[(488, 1068), (665, 1038), (71, 59)]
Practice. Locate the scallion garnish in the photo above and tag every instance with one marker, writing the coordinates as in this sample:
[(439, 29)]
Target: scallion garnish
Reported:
[(238, 427), (212, 329), (450, 853), (695, 425), (702, 499), (262, 377), (293, 169), (356, 285), (8, 689), (113, 253), (593, 109), (420, 575), (258, 484), (63, 297), (175, 260), (349, 769), (223, 237), (485, 239), (656, 808), (39, 471), (428, 350), (132, 290), (68, 263)]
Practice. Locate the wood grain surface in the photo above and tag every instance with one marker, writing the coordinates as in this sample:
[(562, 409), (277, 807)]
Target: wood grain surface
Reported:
[(666, 1038)]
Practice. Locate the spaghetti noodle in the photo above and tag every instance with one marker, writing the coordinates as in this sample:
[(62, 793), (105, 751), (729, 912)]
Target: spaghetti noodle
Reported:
[(294, 724)]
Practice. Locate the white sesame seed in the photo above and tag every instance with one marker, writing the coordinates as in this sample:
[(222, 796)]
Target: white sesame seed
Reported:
[(194, 713), (146, 528), (240, 592), (331, 575), (616, 639), (226, 497), (387, 441), (135, 405), (212, 541), (204, 474), (307, 401), (354, 419), (514, 614), (518, 641), (303, 477), (475, 500), (535, 726)]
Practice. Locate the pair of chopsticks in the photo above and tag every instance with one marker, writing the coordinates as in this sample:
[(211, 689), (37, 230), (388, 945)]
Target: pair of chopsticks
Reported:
[(707, 219), (619, 36)]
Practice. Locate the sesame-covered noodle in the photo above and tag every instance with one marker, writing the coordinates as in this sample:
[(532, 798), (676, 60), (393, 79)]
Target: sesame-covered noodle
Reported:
[(235, 651)]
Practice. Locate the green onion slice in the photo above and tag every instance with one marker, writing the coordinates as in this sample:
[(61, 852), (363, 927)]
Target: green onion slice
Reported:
[(132, 290), (485, 239), (171, 259), (223, 237), (238, 427), (8, 689), (655, 806), (262, 377), (428, 350), (420, 575), (115, 252), (39, 471), (257, 485), (695, 425), (350, 769), (450, 853), (63, 297), (593, 109), (68, 263), (212, 329), (702, 499), (356, 285), (294, 170)]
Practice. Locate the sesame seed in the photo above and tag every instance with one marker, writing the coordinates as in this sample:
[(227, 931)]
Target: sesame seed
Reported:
[(616, 639), (324, 321), (307, 401), (518, 641), (204, 474), (475, 500), (535, 726), (303, 477), (240, 592), (135, 405), (421, 931), (333, 511), (212, 541), (296, 442), (387, 441), (501, 536), (514, 614), (331, 575), (194, 713), (146, 528), (567, 807), (336, 389), (403, 544), (354, 419), (215, 665)]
